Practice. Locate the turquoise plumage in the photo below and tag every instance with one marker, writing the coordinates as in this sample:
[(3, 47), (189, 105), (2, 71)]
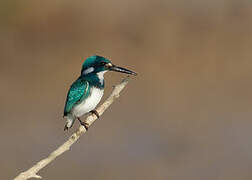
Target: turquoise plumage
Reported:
[(77, 92)]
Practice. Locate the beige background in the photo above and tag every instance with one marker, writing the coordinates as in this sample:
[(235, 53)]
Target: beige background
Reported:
[(187, 115)]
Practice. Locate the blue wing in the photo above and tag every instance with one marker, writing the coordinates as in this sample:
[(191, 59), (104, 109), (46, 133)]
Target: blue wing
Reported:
[(78, 91)]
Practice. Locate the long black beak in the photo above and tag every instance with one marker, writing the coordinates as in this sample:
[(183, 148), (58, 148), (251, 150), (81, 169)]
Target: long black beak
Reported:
[(121, 70)]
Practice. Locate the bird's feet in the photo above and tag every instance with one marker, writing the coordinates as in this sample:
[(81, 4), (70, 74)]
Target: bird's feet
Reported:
[(85, 124), (65, 128), (96, 113)]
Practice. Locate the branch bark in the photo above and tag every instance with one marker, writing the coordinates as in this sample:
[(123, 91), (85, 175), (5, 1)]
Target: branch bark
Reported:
[(32, 172)]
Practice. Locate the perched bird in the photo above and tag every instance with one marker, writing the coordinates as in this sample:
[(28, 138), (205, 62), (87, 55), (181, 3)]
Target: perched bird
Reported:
[(86, 92)]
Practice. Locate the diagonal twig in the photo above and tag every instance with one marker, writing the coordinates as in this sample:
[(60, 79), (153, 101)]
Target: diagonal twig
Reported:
[(32, 172)]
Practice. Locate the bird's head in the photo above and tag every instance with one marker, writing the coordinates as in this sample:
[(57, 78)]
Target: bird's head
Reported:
[(97, 64)]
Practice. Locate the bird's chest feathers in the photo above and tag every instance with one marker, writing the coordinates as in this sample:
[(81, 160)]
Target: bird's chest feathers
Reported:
[(89, 103)]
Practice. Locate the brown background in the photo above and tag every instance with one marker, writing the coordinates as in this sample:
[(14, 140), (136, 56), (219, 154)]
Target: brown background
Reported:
[(187, 115)]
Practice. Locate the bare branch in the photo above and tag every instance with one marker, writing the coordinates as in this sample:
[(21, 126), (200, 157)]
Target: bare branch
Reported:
[(32, 172)]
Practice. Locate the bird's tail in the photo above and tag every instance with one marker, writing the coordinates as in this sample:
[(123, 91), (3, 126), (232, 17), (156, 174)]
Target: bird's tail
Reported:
[(69, 122)]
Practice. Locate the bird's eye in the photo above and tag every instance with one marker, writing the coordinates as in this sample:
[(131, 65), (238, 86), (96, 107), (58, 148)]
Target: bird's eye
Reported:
[(103, 63)]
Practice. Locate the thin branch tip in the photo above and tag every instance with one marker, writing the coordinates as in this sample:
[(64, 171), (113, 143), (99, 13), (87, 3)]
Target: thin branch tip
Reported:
[(126, 79)]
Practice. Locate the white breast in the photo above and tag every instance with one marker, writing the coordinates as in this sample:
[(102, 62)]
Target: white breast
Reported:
[(89, 104)]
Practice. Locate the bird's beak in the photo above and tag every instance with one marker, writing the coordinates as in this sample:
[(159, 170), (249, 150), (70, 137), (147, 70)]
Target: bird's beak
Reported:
[(121, 70)]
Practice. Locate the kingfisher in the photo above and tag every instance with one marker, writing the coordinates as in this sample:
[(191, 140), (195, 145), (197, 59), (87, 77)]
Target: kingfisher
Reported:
[(86, 92)]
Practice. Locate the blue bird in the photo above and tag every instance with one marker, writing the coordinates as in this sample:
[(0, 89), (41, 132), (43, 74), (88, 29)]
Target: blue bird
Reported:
[(86, 92)]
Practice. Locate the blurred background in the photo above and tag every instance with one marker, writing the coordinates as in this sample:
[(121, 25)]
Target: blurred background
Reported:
[(187, 115)]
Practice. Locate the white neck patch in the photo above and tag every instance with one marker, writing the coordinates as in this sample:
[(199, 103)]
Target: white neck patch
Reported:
[(101, 76), (88, 70)]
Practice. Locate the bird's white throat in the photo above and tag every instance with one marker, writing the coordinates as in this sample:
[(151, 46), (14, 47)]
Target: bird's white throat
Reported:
[(101, 76)]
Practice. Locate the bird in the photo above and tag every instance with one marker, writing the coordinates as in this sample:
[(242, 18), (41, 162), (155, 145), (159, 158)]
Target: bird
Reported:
[(86, 92)]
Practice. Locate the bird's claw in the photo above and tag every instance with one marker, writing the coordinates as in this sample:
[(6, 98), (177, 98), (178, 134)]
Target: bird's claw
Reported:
[(85, 124), (65, 128), (96, 113)]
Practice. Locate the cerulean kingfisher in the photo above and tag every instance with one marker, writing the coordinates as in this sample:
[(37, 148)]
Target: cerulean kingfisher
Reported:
[(86, 92)]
